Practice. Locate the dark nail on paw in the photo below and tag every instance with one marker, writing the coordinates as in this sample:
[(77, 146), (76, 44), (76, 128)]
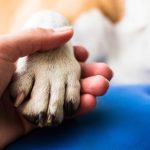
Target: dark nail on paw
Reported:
[(42, 118), (69, 109), (38, 120), (55, 122)]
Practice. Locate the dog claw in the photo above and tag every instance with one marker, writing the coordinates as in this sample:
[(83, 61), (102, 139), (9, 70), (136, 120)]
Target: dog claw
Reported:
[(55, 122), (52, 121), (38, 120), (69, 109), (19, 99)]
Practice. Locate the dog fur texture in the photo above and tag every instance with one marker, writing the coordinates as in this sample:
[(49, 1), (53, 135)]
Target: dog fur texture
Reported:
[(46, 85)]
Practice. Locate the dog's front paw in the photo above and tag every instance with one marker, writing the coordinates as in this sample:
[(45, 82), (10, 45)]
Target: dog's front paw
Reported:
[(46, 87)]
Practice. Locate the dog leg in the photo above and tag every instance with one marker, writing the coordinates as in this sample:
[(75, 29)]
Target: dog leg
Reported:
[(46, 85)]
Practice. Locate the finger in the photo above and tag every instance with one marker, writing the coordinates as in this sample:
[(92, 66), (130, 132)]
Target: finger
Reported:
[(96, 85), (96, 69), (31, 40), (87, 104), (81, 53)]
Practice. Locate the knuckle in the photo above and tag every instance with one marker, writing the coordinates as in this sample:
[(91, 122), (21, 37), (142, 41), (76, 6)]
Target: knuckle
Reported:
[(100, 85), (107, 72)]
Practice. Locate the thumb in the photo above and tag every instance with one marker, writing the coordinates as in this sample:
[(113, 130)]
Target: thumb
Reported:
[(31, 40)]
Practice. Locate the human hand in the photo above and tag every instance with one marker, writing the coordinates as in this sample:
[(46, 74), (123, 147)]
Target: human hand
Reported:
[(94, 81)]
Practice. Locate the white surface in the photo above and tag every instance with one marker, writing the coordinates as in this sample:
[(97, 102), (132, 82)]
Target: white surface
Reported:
[(125, 46)]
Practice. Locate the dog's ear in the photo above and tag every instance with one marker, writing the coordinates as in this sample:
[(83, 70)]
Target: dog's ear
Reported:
[(113, 9)]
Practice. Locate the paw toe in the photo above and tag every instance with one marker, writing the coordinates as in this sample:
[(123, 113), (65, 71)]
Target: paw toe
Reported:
[(38, 120)]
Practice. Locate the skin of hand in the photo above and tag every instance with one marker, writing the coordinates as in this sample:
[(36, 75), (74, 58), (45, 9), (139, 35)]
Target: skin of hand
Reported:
[(94, 77)]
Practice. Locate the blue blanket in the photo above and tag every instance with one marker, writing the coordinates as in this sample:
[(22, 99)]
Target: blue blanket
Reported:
[(121, 121)]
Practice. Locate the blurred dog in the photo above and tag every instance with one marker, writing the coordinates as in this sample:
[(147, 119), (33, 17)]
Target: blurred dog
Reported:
[(64, 87), (14, 13), (117, 30), (92, 18)]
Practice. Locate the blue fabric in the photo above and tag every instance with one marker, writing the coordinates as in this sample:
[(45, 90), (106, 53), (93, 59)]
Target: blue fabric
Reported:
[(121, 121)]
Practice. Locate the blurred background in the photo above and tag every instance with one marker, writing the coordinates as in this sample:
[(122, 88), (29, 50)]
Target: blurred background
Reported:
[(116, 32)]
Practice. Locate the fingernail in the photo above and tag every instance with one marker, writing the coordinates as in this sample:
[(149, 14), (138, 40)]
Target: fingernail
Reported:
[(63, 29)]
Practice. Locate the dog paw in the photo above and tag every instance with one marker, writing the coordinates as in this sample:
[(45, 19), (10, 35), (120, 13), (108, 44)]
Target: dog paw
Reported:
[(46, 86)]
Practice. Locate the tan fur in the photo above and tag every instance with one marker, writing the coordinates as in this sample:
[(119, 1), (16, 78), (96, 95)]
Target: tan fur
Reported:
[(14, 13), (113, 9)]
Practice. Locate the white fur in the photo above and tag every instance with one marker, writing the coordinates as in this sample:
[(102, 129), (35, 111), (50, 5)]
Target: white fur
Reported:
[(51, 77)]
